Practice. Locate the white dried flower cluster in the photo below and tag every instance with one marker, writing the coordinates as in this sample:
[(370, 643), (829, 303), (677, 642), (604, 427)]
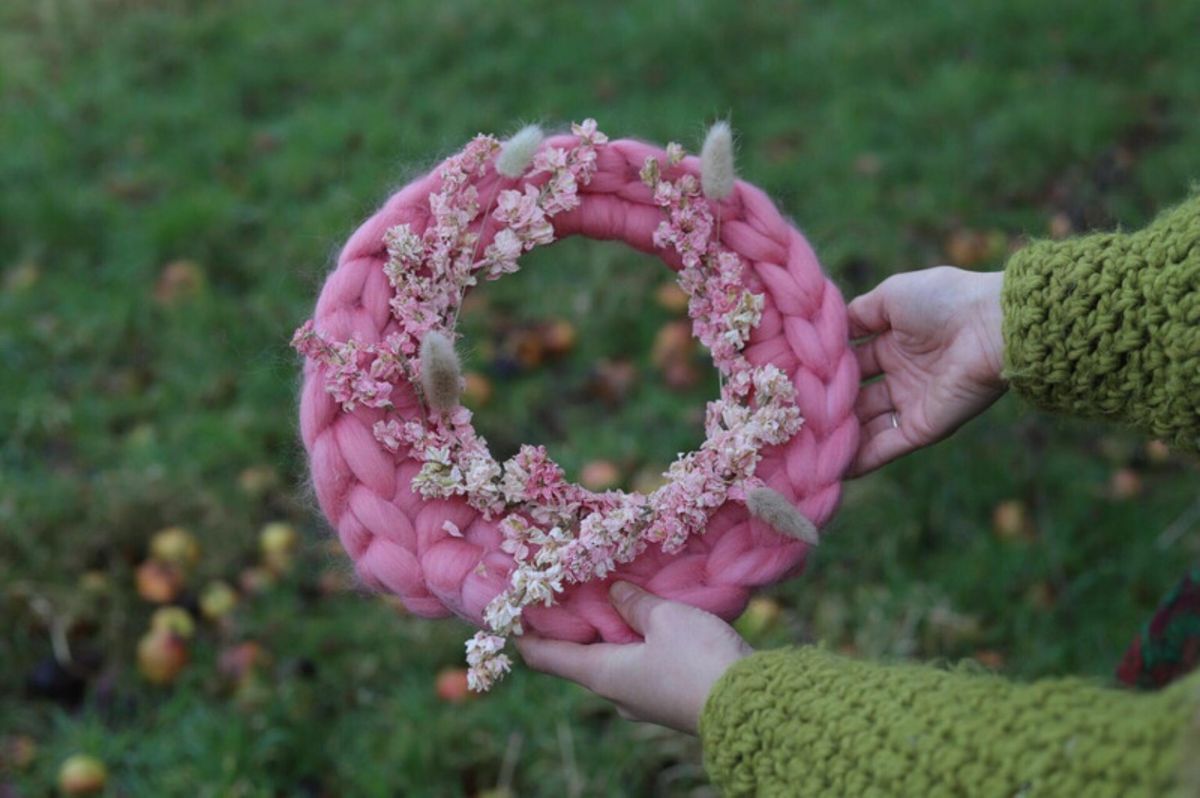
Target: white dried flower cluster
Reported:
[(485, 660)]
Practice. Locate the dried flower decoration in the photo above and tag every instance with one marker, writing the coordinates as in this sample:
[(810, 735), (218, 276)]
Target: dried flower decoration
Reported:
[(558, 533), (441, 377), (774, 509), (716, 162), (517, 153)]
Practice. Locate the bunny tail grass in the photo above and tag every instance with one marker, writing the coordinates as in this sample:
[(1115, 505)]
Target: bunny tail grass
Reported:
[(772, 508), (716, 162), (441, 377), (517, 153)]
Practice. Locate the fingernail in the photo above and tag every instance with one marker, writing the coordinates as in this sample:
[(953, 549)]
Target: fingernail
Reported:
[(621, 591)]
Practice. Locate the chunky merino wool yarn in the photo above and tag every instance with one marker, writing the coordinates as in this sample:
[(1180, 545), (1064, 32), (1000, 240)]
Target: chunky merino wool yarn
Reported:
[(441, 556)]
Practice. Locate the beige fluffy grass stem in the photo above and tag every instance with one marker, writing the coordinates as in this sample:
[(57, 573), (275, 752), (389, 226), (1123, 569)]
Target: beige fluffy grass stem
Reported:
[(716, 162), (441, 375), (517, 153), (772, 508)]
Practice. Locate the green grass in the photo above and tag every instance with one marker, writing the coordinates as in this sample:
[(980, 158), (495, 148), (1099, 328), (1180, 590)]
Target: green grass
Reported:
[(250, 138)]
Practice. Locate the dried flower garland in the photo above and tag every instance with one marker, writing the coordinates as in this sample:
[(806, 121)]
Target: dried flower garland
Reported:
[(556, 532)]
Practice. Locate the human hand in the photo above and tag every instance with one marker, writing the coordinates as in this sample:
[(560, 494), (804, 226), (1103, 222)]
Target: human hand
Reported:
[(936, 341), (667, 678)]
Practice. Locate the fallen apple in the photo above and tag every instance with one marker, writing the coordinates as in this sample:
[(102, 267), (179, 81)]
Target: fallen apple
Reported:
[(477, 389), (451, 686), (761, 614), (158, 582), (558, 337), (81, 774), (217, 600), (600, 475), (239, 661), (278, 544), (1125, 484), (671, 297), (175, 546), (1010, 520), (176, 620), (161, 655)]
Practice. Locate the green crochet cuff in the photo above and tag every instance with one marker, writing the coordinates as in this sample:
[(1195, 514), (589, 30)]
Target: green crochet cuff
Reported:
[(810, 722), (1108, 326)]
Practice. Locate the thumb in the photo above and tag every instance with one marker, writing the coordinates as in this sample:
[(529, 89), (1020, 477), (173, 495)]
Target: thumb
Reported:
[(867, 314), (634, 605)]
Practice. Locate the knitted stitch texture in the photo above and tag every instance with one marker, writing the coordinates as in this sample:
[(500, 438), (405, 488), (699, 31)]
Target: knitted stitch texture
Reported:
[(1108, 326), (810, 722)]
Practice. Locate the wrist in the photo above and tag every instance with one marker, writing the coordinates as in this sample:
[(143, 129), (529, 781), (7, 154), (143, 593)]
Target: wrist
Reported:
[(710, 687), (988, 320)]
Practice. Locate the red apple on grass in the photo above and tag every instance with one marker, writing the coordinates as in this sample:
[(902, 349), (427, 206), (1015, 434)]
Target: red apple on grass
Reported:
[(158, 582), (600, 475), (451, 686)]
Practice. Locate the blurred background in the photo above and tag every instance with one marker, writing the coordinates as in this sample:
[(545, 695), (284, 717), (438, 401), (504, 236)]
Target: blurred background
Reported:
[(175, 178)]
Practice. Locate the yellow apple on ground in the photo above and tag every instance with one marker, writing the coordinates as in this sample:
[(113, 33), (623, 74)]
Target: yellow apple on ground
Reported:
[(1010, 520), (175, 546), (278, 542), (558, 337), (161, 655), (81, 774), (761, 615), (217, 600), (173, 619), (671, 297)]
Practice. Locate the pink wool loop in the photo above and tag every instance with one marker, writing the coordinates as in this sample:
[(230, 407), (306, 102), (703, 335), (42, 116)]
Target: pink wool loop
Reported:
[(401, 543)]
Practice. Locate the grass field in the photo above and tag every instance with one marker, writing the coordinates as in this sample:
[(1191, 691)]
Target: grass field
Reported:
[(176, 176)]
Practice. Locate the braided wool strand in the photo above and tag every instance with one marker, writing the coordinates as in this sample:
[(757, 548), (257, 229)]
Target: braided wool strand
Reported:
[(398, 539)]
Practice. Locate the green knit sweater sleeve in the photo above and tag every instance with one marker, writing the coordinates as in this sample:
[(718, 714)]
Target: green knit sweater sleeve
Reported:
[(810, 722), (1108, 326)]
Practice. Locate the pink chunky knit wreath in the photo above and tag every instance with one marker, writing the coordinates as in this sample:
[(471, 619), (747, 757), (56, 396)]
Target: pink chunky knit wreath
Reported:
[(416, 499)]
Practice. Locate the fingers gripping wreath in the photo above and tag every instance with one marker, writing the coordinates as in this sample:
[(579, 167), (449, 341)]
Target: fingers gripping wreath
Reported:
[(416, 497)]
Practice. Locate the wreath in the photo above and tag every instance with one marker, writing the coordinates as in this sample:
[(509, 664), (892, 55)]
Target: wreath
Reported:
[(428, 513)]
